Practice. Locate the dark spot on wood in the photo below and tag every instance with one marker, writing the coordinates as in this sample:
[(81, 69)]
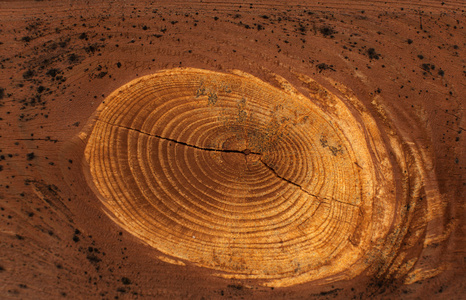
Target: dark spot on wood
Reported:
[(327, 31), (235, 286), (372, 53)]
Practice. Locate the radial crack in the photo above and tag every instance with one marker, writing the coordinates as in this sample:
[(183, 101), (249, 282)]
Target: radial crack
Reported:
[(322, 199), (245, 152), (287, 180)]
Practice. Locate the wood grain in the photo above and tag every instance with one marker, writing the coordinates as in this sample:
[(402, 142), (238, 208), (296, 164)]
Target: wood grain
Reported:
[(231, 173)]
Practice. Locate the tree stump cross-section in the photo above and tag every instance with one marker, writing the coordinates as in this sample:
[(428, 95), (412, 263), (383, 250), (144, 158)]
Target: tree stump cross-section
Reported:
[(233, 174)]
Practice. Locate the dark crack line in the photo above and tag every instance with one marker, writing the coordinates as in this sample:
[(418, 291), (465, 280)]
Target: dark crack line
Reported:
[(244, 152), (38, 139), (321, 199), (285, 179)]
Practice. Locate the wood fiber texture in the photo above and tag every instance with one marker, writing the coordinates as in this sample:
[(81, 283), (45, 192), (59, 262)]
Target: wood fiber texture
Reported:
[(234, 174), (212, 150)]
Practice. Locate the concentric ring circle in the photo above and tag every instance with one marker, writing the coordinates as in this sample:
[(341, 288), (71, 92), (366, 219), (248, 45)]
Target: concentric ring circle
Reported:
[(233, 174)]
